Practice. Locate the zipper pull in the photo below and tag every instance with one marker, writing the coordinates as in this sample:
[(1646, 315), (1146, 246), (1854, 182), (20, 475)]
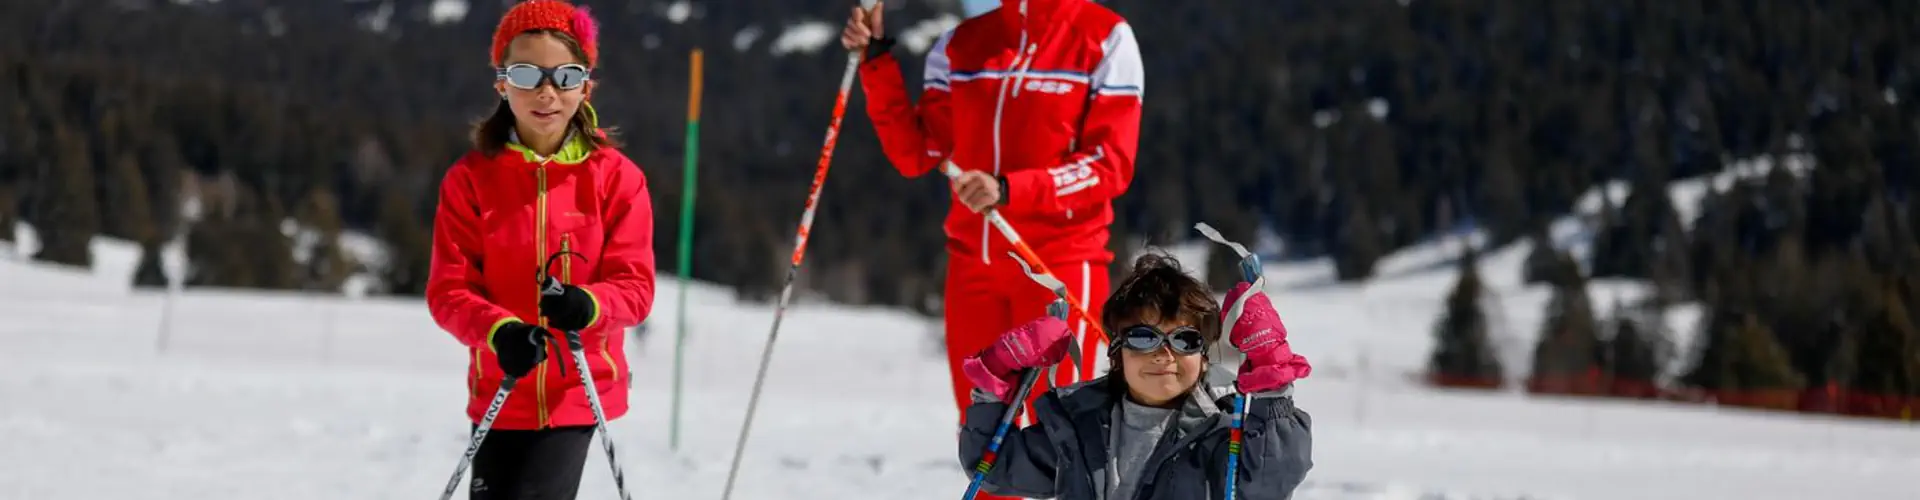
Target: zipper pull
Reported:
[(1018, 75), (1021, 67), (566, 263)]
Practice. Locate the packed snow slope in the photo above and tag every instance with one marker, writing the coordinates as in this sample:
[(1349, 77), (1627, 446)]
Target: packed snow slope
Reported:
[(286, 396)]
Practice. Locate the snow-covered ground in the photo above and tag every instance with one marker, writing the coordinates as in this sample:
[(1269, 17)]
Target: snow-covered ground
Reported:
[(286, 396)]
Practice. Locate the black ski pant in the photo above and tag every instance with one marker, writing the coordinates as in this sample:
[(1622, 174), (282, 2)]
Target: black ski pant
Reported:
[(530, 465)]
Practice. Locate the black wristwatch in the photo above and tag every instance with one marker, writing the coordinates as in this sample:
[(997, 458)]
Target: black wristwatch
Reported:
[(879, 46), (1003, 190)]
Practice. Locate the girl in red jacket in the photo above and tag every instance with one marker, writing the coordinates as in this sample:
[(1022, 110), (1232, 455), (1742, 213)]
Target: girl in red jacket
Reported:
[(542, 180), (1039, 102)]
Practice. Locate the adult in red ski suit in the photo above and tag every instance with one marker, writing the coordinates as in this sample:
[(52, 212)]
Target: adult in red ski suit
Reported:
[(1039, 101)]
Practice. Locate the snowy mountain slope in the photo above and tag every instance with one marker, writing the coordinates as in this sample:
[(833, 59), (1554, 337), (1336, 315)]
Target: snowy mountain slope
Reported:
[(1411, 283), (291, 396)]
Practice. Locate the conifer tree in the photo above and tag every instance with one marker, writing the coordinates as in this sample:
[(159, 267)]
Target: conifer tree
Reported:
[(1569, 347), (1762, 364), (1636, 353), (1887, 355), (126, 199), (149, 273), (328, 264), (69, 214), (1463, 349), (409, 248), (1358, 245), (9, 211)]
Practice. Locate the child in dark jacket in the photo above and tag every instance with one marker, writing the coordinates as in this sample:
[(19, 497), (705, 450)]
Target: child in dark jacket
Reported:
[(1159, 428)]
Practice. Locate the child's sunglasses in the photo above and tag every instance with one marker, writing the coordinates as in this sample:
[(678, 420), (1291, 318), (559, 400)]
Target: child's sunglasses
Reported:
[(528, 76), (1184, 340)]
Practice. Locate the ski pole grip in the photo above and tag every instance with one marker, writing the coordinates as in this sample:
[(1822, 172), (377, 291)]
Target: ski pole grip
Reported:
[(1059, 309)]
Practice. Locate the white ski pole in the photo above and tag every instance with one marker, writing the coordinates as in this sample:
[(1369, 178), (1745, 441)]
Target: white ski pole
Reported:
[(552, 288), (479, 434), (599, 414)]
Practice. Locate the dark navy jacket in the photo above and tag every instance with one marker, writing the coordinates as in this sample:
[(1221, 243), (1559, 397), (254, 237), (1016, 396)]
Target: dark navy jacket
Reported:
[(1065, 454)]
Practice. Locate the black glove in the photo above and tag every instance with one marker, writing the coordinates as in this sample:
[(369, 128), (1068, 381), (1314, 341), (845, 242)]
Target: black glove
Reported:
[(520, 347), (566, 307)]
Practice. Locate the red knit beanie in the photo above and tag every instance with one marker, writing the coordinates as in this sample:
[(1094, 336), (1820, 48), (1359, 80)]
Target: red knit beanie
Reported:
[(556, 15)]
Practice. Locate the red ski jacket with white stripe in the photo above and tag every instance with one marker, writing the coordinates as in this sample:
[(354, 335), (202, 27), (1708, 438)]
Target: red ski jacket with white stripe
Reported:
[(1044, 94)]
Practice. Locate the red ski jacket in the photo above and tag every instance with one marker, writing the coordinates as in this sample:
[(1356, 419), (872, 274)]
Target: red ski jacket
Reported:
[(499, 218), (1047, 99)]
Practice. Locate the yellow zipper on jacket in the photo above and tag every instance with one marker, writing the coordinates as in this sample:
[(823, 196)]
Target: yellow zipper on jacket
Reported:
[(479, 374), (540, 259)]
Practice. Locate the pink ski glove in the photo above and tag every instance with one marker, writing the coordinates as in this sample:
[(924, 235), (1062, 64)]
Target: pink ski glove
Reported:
[(1271, 363), (1039, 343)]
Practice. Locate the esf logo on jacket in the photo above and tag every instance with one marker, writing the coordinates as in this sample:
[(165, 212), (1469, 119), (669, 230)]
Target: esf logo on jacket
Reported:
[(1049, 86), (1073, 177)]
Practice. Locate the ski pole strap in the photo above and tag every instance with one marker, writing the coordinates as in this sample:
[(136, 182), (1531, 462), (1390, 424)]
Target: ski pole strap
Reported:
[(1250, 269), (1250, 266), (1060, 308), (548, 285)]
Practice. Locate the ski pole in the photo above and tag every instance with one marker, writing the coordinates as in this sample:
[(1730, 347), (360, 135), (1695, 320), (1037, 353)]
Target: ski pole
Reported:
[(551, 287), (1234, 443), (599, 413), (1028, 378), (799, 252), (480, 434), (1027, 254), (1058, 309), (1251, 270)]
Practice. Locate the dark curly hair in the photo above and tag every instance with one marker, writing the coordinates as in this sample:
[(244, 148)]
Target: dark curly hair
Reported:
[(1158, 288)]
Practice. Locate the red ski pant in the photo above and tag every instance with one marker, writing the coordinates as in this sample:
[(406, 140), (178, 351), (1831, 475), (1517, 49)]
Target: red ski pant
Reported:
[(984, 300)]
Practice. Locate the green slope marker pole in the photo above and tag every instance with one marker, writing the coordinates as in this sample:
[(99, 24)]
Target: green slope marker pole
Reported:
[(686, 239)]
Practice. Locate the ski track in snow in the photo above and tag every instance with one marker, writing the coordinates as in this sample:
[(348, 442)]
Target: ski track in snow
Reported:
[(284, 396)]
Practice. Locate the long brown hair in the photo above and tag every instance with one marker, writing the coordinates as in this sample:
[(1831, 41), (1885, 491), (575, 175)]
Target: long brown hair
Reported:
[(490, 134)]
